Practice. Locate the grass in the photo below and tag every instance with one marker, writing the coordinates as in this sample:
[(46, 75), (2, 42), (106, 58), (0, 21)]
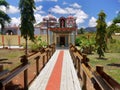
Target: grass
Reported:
[(10, 58), (111, 64), (111, 61)]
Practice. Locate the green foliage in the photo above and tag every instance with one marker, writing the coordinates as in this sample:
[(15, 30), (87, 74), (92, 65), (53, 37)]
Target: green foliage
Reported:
[(117, 19), (114, 28), (110, 64), (110, 30), (86, 44), (114, 46), (27, 18), (3, 2), (3, 16), (38, 43), (81, 31), (100, 51), (77, 41), (101, 34)]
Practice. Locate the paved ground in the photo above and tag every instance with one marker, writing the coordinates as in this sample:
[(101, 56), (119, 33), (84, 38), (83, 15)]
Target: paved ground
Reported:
[(12, 47), (58, 74)]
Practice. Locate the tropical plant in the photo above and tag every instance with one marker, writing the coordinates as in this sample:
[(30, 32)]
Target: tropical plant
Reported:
[(27, 19), (86, 44), (110, 30), (101, 34), (117, 19), (114, 27), (38, 44), (3, 16)]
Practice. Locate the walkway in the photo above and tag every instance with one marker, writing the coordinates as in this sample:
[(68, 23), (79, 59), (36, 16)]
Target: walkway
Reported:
[(58, 74)]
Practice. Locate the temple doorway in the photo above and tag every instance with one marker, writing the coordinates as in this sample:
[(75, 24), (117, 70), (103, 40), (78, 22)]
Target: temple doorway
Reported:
[(62, 40)]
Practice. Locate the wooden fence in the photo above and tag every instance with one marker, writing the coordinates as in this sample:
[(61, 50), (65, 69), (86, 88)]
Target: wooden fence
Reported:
[(7, 76), (90, 78)]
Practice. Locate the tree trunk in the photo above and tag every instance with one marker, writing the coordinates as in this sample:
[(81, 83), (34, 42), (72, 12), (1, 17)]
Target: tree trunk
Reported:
[(26, 46)]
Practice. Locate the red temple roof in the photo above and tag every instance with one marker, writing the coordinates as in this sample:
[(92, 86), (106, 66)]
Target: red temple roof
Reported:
[(66, 29)]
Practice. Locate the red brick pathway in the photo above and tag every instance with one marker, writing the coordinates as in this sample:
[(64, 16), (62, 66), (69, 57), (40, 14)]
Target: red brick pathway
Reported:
[(55, 78)]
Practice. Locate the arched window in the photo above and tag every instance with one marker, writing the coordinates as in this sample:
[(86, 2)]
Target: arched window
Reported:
[(9, 32)]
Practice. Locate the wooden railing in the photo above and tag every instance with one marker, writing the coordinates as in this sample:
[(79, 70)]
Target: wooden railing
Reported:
[(8, 76), (90, 78)]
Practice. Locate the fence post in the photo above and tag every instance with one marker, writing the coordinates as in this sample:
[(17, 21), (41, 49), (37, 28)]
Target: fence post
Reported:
[(99, 69), (43, 60), (24, 61), (1, 67), (37, 64), (47, 55), (85, 60), (18, 40), (3, 40), (84, 81), (78, 67)]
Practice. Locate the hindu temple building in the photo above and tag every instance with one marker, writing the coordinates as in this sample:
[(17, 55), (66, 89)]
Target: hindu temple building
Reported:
[(61, 31)]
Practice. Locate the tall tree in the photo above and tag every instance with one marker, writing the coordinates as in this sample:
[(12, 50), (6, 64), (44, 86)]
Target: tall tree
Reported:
[(27, 19), (101, 34), (3, 16)]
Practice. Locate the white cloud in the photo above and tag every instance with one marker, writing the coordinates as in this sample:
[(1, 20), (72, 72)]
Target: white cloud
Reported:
[(38, 18), (53, 0), (75, 5), (77, 12), (39, 10), (57, 9), (38, 0), (92, 22), (46, 0), (64, 3), (109, 23), (3, 8), (15, 21), (81, 16), (39, 7), (12, 10)]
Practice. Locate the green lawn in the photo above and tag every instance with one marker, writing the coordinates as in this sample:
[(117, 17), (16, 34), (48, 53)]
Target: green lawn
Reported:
[(10, 58), (111, 64)]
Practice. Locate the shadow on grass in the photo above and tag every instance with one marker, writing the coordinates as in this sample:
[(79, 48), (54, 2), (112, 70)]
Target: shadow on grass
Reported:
[(5, 61), (102, 58), (114, 64)]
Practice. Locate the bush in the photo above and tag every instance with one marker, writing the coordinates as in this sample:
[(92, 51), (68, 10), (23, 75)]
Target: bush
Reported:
[(87, 45), (114, 46), (38, 44)]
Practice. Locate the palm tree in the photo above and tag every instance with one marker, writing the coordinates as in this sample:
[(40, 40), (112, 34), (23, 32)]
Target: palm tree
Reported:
[(27, 20), (3, 16)]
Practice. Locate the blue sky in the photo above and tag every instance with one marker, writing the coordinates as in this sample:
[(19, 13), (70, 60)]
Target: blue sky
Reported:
[(86, 11)]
